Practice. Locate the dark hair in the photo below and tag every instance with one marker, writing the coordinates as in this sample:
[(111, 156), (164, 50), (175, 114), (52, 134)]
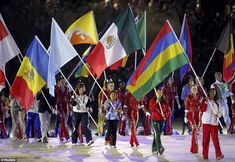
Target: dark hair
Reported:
[(216, 95), (79, 85)]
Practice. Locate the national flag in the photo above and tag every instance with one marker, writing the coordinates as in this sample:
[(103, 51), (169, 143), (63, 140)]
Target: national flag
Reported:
[(2, 78), (32, 74), (225, 45), (164, 56), (61, 52), (185, 41), (83, 30), (141, 27), (81, 69), (8, 49), (119, 40)]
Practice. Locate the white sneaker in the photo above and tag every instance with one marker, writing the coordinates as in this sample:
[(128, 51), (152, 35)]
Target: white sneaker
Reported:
[(90, 142)]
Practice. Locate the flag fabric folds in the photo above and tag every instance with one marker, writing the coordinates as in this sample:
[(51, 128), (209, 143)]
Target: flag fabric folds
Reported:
[(61, 52), (141, 28), (32, 74), (83, 30), (8, 50), (225, 45), (185, 41), (119, 40), (163, 57)]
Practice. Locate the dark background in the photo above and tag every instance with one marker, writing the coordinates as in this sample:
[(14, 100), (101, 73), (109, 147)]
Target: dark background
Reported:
[(206, 18)]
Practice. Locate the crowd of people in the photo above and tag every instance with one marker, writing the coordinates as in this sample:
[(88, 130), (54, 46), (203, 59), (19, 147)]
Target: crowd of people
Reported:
[(120, 113)]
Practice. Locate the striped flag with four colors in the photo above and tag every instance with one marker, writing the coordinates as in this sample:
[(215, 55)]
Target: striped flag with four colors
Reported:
[(164, 56)]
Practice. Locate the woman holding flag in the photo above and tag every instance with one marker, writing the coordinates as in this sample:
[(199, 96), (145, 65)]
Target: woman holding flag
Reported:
[(160, 110)]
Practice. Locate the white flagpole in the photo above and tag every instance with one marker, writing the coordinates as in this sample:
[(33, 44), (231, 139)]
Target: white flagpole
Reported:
[(135, 59), (73, 71), (195, 73), (208, 63)]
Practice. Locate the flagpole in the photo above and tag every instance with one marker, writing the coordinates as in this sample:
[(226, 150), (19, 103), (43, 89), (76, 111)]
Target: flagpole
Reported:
[(197, 78), (73, 71), (78, 98), (135, 59), (93, 85), (208, 63), (7, 81), (105, 76)]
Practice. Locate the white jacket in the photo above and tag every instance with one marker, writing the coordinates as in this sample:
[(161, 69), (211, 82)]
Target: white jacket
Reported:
[(209, 117)]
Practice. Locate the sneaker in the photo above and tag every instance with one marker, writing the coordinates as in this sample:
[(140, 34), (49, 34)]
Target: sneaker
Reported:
[(90, 142), (161, 150), (137, 144), (74, 144), (205, 158), (220, 157), (105, 143), (45, 140), (26, 139), (38, 140), (132, 145), (113, 146)]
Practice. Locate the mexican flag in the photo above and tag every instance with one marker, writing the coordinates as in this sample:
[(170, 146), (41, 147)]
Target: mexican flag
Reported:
[(118, 41)]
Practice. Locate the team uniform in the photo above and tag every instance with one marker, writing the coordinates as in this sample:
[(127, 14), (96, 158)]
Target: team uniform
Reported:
[(159, 111), (63, 110), (192, 108), (133, 114), (81, 105), (112, 118), (170, 92), (210, 127)]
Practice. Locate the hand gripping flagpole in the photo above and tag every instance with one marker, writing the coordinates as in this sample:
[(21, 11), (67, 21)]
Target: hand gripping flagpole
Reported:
[(195, 74), (78, 98)]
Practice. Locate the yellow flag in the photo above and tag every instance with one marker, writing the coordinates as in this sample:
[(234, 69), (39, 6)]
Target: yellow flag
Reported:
[(83, 31)]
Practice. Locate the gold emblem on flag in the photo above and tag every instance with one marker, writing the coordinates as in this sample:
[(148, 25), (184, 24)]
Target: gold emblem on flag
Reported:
[(29, 73), (110, 41)]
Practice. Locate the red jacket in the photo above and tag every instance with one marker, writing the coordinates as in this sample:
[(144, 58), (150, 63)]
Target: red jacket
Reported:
[(193, 105), (155, 109)]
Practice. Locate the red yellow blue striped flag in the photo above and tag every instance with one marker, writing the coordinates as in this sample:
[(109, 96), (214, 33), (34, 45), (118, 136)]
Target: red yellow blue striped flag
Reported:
[(164, 56)]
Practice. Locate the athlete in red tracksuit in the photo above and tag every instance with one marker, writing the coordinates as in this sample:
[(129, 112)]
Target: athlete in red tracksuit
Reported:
[(192, 115), (63, 107), (171, 93), (132, 113)]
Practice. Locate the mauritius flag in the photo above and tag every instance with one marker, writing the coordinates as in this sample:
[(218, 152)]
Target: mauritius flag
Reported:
[(32, 75), (164, 56), (119, 40)]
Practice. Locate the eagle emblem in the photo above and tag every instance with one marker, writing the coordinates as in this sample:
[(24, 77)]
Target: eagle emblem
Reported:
[(29, 73), (110, 41)]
